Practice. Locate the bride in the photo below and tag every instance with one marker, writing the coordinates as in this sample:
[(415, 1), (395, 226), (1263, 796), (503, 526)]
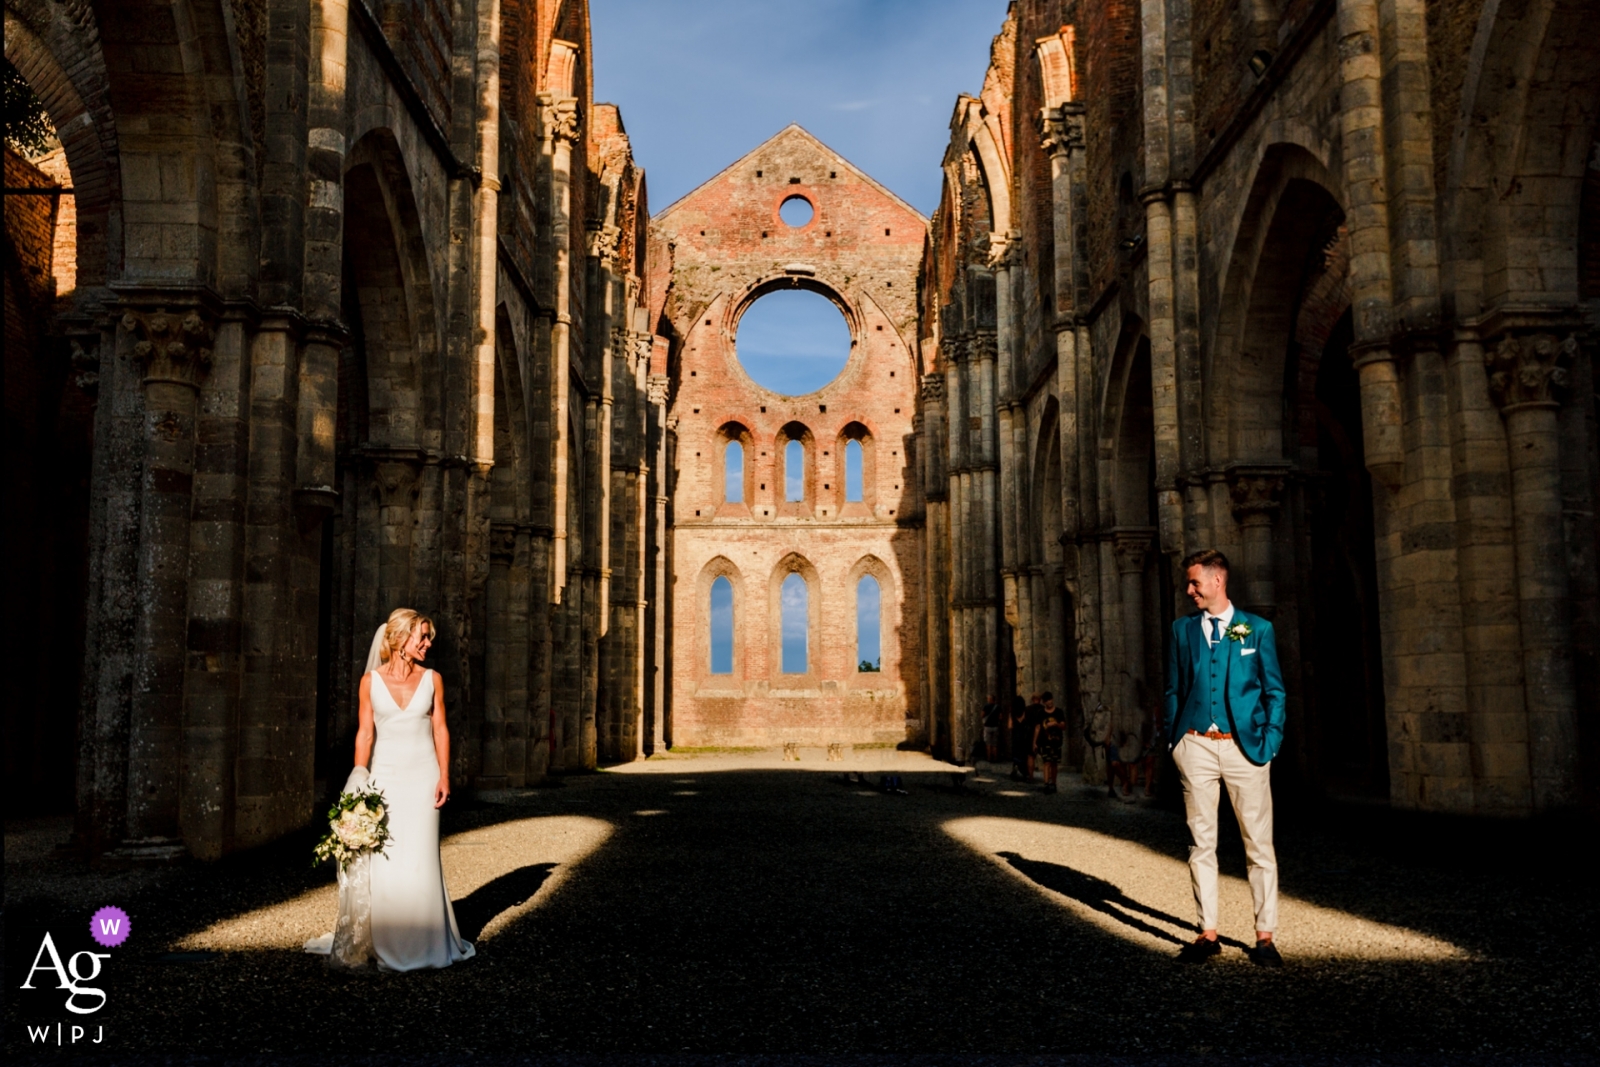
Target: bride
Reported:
[(395, 906)]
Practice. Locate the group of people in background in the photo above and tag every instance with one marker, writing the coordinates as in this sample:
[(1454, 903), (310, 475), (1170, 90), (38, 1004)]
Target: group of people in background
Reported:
[(1038, 733)]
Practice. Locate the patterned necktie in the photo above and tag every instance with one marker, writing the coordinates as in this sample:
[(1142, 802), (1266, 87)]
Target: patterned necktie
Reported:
[(1216, 629)]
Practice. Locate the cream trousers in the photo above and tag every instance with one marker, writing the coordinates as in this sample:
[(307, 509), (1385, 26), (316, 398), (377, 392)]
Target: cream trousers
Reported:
[(1204, 764)]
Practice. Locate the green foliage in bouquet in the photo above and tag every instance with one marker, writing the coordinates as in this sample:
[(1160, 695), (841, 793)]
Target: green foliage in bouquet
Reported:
[(357, 823)]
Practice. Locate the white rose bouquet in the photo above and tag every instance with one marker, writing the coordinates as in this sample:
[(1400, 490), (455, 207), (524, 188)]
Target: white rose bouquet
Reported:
[(358, 823)]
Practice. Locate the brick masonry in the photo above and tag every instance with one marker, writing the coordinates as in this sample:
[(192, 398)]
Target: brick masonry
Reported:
[(713, 253)]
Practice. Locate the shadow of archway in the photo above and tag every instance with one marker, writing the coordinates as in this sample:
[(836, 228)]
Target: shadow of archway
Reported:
[(478, 909), (1099, 894)]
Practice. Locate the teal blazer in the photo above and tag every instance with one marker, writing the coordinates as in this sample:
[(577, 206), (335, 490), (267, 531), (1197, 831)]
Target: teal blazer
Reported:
[(1253, 692)]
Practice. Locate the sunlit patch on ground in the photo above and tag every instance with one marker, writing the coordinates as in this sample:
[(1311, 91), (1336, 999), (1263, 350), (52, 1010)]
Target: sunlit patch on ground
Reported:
[(508, 860), (1144, 896)]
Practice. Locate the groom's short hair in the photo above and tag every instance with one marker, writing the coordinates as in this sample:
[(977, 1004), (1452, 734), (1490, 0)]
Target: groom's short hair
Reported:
[(1206, 557)]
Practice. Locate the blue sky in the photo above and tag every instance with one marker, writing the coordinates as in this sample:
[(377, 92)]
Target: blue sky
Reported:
[(701, 83)]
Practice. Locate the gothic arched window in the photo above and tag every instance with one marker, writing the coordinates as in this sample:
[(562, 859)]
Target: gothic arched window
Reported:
[(733, 473), (852, 472), (869, 614), (795, 604), (794, 471), (722, 626)]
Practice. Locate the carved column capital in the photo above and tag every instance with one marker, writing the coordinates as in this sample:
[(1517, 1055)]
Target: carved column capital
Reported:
[(656, 389), (1061, 129), (933, 389), (560, 115), (397, 473), (1530, 370), (502, 541), (170, 346), (1256, 495), (1131, 544), (984, 347), (604, 243), (1002, 252)]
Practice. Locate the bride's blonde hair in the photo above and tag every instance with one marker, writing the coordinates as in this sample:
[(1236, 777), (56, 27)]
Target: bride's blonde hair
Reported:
[(402, 623)]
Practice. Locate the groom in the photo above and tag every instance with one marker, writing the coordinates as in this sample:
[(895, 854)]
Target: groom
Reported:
[(1224, 721)]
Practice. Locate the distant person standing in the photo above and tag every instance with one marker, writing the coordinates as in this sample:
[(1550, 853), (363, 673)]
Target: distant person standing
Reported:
[(1024, 724), (1224, 721), (993, 712), (1051, 733)]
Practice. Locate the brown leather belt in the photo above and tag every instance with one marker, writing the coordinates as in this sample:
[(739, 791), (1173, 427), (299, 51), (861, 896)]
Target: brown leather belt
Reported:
[(1214, 735)]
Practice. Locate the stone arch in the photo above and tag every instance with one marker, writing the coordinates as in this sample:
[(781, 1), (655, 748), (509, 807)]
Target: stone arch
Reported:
[(64, 66), (1523, 139), (795, 563), (888, 619), (995, 167), (801, 434), (386, 260), (744, 620), (730, 433), (510, 478), (855, 432), (504, 738), (184, 144), (387, 427), (1291, 213), (1046, 518)]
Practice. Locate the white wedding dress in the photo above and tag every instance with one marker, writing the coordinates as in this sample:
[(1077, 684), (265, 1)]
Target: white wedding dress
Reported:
[(397, 908)]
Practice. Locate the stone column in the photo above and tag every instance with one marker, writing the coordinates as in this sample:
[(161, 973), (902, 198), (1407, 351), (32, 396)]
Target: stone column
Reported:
[(492, 770), (560, 120), (984, 533), (1132, 546), (656, 564), (1528, 375), (956, 393), (1361, 127), (173, 351), (398, 474), (1257, 494)]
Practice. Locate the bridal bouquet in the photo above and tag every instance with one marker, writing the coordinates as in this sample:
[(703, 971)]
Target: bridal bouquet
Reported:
[(358, 823)]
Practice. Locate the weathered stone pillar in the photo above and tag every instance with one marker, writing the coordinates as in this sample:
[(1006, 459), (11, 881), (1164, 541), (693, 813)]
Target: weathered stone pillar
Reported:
[(560, 122), (398, 474), (656, 565), (1257, 495), (493, 772), (932, 452), (1132, 546), (173, 351), (1361, 123), (984, 534), (1527, 377)]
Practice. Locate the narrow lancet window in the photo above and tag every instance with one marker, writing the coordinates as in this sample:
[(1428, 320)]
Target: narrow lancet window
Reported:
[(852, 472), (795, 606), (733, 473), (869, 654), (722, 626), (794, 471)]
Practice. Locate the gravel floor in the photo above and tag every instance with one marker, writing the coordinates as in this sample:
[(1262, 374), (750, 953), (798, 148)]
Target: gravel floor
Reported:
[(742, 904)]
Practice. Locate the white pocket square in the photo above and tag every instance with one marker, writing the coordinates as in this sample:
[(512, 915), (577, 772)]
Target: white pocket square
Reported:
[(1247, 652)]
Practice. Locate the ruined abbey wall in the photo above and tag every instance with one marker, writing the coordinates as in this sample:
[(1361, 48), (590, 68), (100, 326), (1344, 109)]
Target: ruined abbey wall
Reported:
[(1301, 282), (713, 253)]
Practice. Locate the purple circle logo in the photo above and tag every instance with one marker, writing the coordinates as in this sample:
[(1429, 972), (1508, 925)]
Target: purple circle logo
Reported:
[(109, 926)]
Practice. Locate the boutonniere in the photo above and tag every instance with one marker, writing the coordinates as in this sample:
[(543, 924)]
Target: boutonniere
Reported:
[(1238, 632)]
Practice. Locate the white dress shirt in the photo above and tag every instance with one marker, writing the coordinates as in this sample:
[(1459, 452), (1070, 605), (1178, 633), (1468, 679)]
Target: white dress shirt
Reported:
[(1226, 617)]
